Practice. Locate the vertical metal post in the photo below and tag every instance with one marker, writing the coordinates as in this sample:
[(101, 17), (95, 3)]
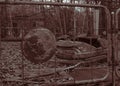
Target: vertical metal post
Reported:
[(22, 56), (117, 57), (0, 49), (113, 50), (117, 28)]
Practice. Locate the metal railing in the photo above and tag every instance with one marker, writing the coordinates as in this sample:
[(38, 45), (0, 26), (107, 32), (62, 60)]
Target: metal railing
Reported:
[(108, 29), (116, 44)]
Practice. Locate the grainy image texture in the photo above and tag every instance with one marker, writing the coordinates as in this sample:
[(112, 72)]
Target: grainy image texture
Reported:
[(59, 43)]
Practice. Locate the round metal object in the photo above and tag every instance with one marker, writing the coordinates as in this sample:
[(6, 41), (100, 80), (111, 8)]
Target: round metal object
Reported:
[(39, 45)]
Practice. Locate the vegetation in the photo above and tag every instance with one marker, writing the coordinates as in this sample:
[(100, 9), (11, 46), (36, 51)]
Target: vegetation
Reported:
[(61, 20)]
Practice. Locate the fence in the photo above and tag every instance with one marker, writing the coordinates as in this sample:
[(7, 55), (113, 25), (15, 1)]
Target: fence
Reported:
[(64, 20)]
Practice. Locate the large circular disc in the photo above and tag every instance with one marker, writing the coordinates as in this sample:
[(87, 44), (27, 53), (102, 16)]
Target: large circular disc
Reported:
[(39, 45)]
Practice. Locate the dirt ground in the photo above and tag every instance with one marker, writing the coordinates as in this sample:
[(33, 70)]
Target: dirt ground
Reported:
[(11, 65)]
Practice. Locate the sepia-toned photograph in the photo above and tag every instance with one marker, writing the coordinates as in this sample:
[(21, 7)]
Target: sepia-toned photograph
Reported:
[(59, 42)]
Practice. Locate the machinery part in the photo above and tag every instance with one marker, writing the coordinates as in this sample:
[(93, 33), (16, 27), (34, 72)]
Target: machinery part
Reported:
[(73, 50), (39, 45)]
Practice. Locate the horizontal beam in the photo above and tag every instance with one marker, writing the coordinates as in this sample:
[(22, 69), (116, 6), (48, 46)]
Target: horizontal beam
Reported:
[(50, 3)]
